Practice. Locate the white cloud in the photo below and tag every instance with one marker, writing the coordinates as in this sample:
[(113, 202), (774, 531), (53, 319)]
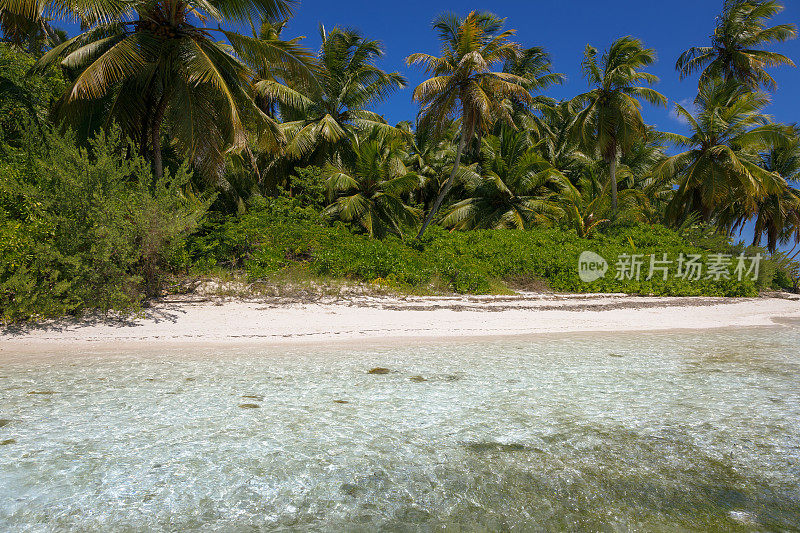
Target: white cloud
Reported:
[(687, 104)]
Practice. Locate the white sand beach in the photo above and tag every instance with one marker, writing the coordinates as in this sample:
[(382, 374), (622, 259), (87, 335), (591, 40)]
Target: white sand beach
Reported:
[(183, 321)]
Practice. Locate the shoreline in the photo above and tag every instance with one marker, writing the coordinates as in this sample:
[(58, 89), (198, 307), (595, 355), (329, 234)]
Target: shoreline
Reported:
[(177, 322)]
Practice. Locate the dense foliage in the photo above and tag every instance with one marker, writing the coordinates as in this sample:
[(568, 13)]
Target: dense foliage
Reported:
[(152, 144), (277, 234), (87, 227)]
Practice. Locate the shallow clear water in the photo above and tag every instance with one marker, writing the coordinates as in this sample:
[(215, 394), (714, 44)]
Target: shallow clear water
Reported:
[(657, 432)]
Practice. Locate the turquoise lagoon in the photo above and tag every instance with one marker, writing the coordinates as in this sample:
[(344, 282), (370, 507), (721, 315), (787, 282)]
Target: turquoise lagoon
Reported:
[(695, 431)]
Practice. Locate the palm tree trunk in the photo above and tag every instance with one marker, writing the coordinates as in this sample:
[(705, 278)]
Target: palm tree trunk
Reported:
[(253, 162), (50, 34), (612, 167), (155, 138), (144, 138), (449, 184)]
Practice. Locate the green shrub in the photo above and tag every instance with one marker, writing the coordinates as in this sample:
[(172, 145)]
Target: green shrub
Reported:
[(87, 228), (277, 232), (306, 186), (24, 97)]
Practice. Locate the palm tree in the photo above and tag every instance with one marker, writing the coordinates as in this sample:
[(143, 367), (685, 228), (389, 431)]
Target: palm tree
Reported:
[(536, 67), (370, 192), (610, 120), (515, 187), (719, 177), (275, 62), (557, 143), (587, 204), (322, 120), (463, 84), (430, 157), (778, 219), (736, 51), (27, 23), (777, 216), (150, 64)]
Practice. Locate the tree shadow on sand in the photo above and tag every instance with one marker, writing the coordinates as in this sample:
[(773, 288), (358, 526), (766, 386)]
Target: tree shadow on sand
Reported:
[(156, 312)]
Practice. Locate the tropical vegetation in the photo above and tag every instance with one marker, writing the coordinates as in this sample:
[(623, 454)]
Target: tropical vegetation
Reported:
[(162, 143)]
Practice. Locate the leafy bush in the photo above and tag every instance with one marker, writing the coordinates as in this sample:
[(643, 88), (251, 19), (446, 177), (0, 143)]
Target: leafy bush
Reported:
[(277, 233), (87, 228), (24, 97), (307, 186)]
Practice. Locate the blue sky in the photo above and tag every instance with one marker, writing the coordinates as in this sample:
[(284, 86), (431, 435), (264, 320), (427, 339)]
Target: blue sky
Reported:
[(563, 27)]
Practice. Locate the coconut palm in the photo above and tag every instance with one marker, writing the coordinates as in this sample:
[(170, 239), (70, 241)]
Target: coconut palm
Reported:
[(463, 84), (557, 143), (28, 23), (321, 121), (431, 158), (777, 216), (635, 173), (32, 35), (370, 192), (515, 187), (610, 120), (536, 67), (736, 51), (587, 203), (151, 65), (719, 177), (275, 62), (778, 219)]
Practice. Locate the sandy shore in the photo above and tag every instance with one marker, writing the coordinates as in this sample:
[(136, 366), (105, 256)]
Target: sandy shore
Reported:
[(204, 321)]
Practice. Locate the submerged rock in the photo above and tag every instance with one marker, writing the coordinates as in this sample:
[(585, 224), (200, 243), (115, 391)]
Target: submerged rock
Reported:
[(349, 488), (249, 406), (4, 422), (417, 379), (379, 370), (7, 441), (412, 515), (42, 392), (253, 397), (497, 447)]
